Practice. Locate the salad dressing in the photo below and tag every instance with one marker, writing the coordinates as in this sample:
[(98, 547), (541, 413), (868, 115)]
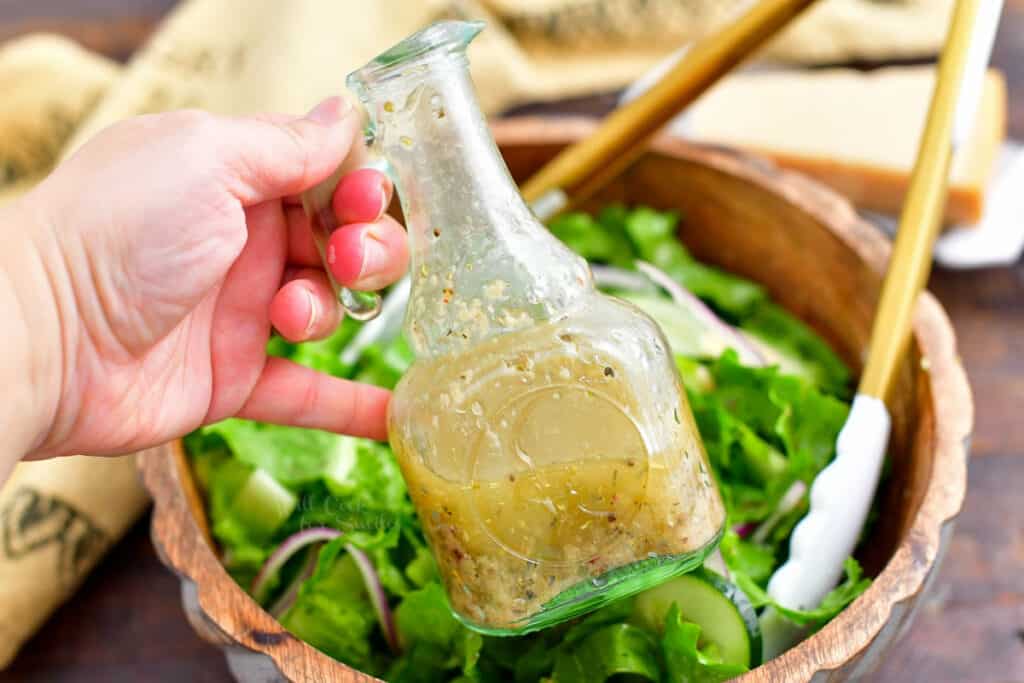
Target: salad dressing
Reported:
[(543, 430), (539, 470)]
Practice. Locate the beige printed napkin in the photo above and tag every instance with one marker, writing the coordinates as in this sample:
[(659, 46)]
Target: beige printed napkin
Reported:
[(833, 31), (57, 519), (242, 56), (48, 85)]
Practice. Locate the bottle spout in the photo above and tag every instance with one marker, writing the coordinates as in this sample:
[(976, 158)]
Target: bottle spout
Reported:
[(443, 37), (400, 65)]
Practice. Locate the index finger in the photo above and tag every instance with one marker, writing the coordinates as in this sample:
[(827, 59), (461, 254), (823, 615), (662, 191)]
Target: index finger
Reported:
[(291, 394)]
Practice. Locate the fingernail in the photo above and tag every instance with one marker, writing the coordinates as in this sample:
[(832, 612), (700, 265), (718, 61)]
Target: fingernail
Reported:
[(375, 255), (329, 111), (314, 312), (331, 256), (383, 199)]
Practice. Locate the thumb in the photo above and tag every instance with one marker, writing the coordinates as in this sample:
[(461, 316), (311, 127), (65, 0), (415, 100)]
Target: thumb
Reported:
[(270, 157)]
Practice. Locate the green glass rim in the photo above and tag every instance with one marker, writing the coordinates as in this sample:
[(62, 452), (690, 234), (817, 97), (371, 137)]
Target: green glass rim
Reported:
[(442, 37), (615, 584)]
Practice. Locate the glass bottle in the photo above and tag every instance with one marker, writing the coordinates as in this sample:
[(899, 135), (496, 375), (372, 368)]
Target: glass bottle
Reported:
[(543, 431)]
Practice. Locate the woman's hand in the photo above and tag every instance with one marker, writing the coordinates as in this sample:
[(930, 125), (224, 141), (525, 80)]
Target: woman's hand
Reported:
[(149, 269)]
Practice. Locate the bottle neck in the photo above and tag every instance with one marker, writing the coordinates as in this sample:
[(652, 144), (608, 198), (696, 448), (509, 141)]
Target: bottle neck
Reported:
[(441, 154), (481, 262)]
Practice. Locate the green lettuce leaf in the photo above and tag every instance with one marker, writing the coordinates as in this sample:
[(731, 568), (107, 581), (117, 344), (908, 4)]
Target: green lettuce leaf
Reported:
[(292, 455), (654, 234), (737, 452), (436, 647), (323, 355), (835, 602), (610, 651), (754, 561), (685, 662), (594, 240), (424, 616), (332, 611), (384, 364), (765, 429), (695, 376), (374, 480), (797, 348), (245, 510), (616, 612), (618, 236), (422, 569)]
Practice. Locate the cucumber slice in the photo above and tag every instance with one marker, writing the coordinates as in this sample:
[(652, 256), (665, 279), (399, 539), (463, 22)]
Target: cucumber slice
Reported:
[(262, 504), (722, 611)]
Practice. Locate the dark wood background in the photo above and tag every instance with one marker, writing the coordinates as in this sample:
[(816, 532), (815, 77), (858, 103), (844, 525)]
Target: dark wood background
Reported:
[(126, 624)]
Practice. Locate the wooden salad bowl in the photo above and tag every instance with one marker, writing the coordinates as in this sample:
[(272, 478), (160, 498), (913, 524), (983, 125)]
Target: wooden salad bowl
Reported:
[(820, 260)]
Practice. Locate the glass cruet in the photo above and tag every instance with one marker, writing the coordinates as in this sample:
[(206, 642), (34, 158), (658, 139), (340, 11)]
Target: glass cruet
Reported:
[(542, 431)]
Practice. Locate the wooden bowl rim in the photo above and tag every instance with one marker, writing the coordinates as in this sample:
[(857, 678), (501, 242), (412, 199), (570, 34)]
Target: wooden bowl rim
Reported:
[(176, 531)]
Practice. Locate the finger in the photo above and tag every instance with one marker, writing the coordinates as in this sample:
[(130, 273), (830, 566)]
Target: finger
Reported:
[(238, 338), (302, 249), (269, 158), (362, 196), (292, 394), (359, 157), (305, 308), (368, 256)]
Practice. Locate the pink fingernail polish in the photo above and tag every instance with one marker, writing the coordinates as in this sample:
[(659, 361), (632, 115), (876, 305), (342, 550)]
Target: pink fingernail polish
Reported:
[(383, 198), (374, 255), (314, 312)]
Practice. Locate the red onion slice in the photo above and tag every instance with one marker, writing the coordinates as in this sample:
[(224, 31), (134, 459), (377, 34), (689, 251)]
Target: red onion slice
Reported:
[(610, 276), (303, 539), (716, 562), (286, 551), (287, 599), (747, 353), (745, 529), (377, 596)]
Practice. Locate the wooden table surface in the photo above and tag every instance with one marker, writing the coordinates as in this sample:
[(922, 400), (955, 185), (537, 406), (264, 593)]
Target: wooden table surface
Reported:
[(126, 624)]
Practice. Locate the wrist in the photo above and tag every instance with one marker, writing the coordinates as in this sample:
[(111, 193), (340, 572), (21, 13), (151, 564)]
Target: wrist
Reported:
[(31, 367)]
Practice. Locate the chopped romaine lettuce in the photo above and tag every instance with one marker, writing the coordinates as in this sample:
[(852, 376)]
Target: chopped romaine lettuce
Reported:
[(436, 646), (292, 455), (798, 349), (685, 661), (619, 236), (610, 651), (764, 430), (333, 612), (842, 595), (605, 242), (753, 560)]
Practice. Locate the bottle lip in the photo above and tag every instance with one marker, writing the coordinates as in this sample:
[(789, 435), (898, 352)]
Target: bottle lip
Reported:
[(442, 37)]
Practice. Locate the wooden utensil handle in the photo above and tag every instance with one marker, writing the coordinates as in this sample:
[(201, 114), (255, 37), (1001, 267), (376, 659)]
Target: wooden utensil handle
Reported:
[(586, 166), (962, 63)]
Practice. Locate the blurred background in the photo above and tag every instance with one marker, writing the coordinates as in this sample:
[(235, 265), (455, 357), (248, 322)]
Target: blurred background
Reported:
[(840, 96)]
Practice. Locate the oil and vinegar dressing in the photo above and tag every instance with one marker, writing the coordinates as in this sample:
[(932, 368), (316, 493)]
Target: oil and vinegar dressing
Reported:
[(544, 460), (542, 430)]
